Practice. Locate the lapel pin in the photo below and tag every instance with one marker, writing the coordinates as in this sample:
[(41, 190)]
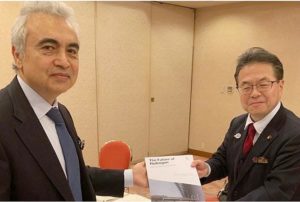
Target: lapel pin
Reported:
[(81, 144), (269, 137), (238, 135), (254, 159)]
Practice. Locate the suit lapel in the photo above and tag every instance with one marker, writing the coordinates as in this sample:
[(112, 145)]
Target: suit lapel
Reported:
[(264, 141), (238, 147), (36, 141)]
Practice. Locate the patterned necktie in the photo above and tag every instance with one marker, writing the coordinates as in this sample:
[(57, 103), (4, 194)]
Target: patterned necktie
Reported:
[(69, 151), (248, 144)]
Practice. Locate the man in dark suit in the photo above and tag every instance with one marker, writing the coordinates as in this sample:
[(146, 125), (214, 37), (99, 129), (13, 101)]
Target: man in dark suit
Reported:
[(268, 170), (33, 162)]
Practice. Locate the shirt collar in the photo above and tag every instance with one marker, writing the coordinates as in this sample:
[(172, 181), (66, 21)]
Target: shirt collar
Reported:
[(40, 105), (260, 125)]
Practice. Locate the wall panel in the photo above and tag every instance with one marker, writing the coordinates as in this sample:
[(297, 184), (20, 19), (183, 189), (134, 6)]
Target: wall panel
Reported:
[(9, 11), (171, 70), (123, 55)]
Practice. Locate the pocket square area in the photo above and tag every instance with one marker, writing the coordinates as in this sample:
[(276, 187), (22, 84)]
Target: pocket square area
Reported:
[(260, 159)]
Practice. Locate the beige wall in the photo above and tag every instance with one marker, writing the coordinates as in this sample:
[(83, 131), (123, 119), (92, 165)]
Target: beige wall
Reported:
[(120, 61), (123, 54), (171, 69), (8, 14), (224, 32), (124, 45), (144, 49)]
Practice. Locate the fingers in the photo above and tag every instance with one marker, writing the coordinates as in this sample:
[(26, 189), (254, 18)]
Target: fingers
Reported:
[(140, 175), (197, 163), (201, 167)]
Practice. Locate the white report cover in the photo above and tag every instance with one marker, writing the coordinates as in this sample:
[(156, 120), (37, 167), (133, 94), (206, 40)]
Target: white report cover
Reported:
[(172, 178)]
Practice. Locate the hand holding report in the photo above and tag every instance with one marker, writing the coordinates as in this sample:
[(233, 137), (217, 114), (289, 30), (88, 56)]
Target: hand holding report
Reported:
[(172, 178)]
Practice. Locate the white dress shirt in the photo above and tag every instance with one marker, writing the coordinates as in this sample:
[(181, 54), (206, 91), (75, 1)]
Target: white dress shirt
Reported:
[(261, 125), (40, 107)]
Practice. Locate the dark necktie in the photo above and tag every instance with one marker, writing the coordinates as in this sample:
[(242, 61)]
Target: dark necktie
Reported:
[(248, 144), (69, 151)]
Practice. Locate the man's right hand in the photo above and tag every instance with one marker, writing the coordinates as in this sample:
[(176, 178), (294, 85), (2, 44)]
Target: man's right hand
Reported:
[(140, 175)]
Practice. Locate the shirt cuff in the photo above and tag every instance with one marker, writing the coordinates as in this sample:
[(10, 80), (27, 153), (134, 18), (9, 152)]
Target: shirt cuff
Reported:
[(208, 169), (128, 178)]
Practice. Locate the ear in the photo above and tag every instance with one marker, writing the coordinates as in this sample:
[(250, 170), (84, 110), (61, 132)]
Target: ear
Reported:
[(17, 57), (281, 83)]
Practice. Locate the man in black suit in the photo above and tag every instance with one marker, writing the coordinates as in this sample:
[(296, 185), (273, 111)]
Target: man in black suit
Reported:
[(33, 164), (268, 170)]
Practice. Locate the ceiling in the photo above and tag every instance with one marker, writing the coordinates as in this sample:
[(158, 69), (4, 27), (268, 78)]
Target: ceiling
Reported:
[(197, 4)]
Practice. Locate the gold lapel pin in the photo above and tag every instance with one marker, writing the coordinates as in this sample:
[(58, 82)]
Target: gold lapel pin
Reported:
[(269, 137)]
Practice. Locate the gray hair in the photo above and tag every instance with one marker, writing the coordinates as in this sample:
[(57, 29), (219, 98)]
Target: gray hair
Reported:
[(259, 55), (19, 32)]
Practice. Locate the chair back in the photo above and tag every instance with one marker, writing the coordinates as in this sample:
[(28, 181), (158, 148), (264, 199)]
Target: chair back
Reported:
[(115, 154)]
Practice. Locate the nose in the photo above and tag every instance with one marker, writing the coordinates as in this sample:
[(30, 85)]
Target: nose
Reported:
[(61, 60), (255, 92)]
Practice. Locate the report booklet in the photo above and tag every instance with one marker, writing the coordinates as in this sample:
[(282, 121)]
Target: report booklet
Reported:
[(171, 178)]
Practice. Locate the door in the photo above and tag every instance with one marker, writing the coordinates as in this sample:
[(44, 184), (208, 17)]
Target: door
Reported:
[(171, 69)]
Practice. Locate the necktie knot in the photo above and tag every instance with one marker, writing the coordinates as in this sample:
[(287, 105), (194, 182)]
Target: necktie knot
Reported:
[(251, 129), (55, 116)]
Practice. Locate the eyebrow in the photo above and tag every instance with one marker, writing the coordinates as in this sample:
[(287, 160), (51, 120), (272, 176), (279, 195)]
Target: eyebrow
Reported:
[(74, 45), (53, 41), (47, 40), (262, 79)]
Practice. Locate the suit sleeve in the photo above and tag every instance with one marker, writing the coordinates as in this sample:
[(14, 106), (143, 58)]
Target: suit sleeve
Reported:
[(107, 182), (218, 163)]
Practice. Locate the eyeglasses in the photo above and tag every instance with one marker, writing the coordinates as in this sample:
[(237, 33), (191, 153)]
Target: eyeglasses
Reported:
[(262, 86)]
